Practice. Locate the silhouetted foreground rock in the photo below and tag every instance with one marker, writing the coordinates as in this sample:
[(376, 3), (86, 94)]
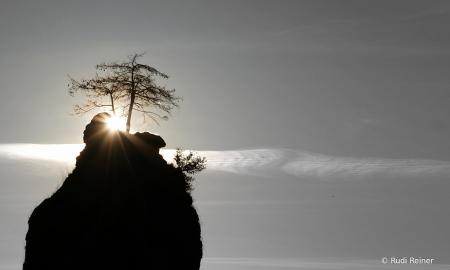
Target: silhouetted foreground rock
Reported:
[(122, 207)]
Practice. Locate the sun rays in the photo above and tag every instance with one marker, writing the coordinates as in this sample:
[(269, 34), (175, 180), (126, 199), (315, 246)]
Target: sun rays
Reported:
[(116, 123)]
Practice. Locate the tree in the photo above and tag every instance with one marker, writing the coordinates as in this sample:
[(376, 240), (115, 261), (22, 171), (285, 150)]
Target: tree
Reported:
[(96, 90), (130, 86), (189, 164)]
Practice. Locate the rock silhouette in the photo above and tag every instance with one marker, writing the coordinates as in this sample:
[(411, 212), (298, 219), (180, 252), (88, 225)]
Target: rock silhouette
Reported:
[(122, 207)]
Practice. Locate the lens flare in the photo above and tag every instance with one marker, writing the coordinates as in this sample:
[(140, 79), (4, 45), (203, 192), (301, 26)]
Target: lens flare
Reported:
[(116, 123)]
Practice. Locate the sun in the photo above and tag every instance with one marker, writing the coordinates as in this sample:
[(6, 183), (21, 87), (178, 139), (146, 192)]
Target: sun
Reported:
[(115, 123)]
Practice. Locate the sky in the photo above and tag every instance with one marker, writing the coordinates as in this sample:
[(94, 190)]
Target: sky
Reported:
[(325, 123)]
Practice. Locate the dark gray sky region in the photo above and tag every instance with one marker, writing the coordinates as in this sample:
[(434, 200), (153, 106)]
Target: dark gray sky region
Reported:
[(325, 123)]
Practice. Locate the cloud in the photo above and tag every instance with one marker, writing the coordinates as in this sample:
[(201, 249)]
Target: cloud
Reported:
[(40, 159), (340, 168), (265, 162), (57, 152), (315, 166)]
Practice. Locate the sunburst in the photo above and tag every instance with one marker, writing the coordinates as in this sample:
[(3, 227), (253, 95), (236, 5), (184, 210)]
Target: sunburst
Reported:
[(116, 123)]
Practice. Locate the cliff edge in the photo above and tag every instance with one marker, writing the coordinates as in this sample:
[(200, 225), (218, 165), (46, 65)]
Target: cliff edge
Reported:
[(122, 207)]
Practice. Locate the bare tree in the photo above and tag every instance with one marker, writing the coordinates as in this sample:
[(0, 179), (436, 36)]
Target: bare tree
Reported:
[(96, 90), (130, 86)]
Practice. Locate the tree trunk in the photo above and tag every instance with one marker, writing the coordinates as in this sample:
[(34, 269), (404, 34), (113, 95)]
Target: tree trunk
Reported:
[(112, 104), (130, 110)]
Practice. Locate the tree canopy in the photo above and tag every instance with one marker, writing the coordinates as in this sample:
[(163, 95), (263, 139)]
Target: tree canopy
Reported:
[(189, 164), (128, 86)]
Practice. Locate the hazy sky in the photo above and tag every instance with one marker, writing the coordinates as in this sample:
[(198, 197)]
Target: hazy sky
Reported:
[(326, 122)]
